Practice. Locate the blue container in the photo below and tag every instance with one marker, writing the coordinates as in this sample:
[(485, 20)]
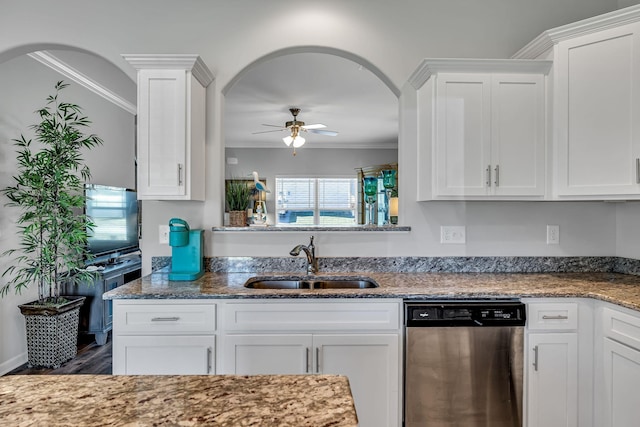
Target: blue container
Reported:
[(178, 232)]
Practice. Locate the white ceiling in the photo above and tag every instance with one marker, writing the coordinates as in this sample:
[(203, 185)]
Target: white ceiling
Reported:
[(334, 91)]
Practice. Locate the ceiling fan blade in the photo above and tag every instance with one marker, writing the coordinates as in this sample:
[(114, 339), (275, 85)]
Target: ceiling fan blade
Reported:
[(324, 132), (267, 131), (273, 126), (314, 126)]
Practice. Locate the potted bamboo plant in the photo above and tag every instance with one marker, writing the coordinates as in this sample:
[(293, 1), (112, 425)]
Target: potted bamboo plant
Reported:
[(238, 196), (48, 192)]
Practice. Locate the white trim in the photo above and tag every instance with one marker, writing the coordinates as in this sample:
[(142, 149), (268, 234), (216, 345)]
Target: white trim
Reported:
[(189, 62), (13, 363), (76, 76), (431, 66), (547, 39)]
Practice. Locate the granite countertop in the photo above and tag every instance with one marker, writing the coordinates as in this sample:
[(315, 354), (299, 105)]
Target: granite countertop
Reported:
[(621, 289), (215, 400)]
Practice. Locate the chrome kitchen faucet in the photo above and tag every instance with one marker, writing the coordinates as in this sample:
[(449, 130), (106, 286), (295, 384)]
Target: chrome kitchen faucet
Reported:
[(310, 251)]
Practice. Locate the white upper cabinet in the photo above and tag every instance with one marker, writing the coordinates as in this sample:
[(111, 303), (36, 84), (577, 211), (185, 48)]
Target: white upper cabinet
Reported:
[(481, 129), (596, 105), (171, 126)]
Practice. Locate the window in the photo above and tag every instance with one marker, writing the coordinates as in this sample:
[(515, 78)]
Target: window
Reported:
[(316, 201)]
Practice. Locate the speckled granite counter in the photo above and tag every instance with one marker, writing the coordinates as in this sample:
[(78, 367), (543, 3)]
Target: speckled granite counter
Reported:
[(620, 289), (217, 400)]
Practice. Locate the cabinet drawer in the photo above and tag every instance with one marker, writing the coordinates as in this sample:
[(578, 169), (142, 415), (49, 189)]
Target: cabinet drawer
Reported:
[(311, 316), (552, 316), (621, 327), (164, 318)]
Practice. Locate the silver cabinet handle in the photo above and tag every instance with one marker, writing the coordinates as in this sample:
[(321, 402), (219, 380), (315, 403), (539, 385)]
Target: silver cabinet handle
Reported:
[(637, 171), (209, 359), (306, 362), (317, 360), (488, 170), (497, 181), (535, 358), (558, 317), (165, 319), (179, 174)]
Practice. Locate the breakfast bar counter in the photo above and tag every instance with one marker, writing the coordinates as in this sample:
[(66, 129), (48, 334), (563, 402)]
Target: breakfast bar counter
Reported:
[(212, 400)]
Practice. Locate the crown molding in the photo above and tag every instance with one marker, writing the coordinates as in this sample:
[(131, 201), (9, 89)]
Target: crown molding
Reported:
[(549, 38), (76, 76), (431, 66), (189, 62)]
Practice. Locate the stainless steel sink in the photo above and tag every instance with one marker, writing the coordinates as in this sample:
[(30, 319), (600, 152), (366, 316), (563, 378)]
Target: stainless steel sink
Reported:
[(311, 283)]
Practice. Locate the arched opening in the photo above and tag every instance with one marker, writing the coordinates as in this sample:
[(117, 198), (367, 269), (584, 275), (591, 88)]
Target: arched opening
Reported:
[(332, 87)]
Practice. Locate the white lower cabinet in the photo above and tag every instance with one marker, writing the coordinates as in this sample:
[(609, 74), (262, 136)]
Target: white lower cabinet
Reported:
[(553, 364), (552, 379), (617, 396), (621, 378), (164, 337), (277, 338), (164, 355)]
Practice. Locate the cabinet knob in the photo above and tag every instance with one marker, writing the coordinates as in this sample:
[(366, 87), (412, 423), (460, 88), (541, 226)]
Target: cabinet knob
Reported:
[(488, 170), (497, 171), (535, 358)]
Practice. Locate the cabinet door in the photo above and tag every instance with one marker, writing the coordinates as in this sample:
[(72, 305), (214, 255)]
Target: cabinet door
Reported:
[(463, 134), (163, 355), (621, 379), (372, 365), (517, 135), (162, 133), (596, 114), (267, 354), (552, 380)]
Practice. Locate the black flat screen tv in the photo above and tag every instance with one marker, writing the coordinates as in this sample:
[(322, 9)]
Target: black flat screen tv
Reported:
[(114, 213)]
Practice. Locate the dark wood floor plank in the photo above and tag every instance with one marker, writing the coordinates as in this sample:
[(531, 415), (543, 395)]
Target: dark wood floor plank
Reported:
[(91, 359)]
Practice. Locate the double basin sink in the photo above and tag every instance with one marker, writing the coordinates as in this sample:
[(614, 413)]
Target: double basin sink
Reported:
[(311, 282)]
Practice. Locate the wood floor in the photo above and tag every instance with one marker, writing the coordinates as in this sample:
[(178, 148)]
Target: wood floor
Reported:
[(91, 359)]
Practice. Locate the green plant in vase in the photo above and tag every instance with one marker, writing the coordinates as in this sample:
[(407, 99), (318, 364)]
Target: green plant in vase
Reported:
[(238, 197), (48, 191)]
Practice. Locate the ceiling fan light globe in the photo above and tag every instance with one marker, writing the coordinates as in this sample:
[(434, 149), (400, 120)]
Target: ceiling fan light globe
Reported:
[(298, 142), (288, 140)]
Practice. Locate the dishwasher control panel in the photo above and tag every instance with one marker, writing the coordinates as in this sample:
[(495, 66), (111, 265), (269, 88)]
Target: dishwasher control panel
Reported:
[(472, 313)]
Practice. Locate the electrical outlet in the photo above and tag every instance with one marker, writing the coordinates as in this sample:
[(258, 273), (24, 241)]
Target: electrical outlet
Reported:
[(163, 232), (453, 234), (553, 234)]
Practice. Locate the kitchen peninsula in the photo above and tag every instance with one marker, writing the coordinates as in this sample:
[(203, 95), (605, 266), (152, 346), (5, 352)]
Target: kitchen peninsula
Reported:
[(96, 400), (576, 321)]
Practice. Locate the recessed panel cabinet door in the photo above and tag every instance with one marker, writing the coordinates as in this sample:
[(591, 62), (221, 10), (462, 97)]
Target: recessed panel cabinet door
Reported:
[(463, 135), (162, 132), (163, 355), (267, 354), (371, 363), (597, 117), (621, 378), (517, 135), (552, 380)]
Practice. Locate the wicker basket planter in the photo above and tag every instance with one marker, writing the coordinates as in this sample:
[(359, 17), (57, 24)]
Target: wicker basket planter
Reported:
[(52, 332), (237, 218)]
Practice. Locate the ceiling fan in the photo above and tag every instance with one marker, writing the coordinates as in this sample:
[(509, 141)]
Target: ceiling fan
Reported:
[(296, 127)]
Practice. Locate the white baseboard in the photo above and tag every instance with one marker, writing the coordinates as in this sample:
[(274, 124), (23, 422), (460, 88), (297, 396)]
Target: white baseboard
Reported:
[(13, 363)]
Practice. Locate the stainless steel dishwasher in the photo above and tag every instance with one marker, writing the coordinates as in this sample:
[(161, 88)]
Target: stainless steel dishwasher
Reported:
[(463, 363)]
